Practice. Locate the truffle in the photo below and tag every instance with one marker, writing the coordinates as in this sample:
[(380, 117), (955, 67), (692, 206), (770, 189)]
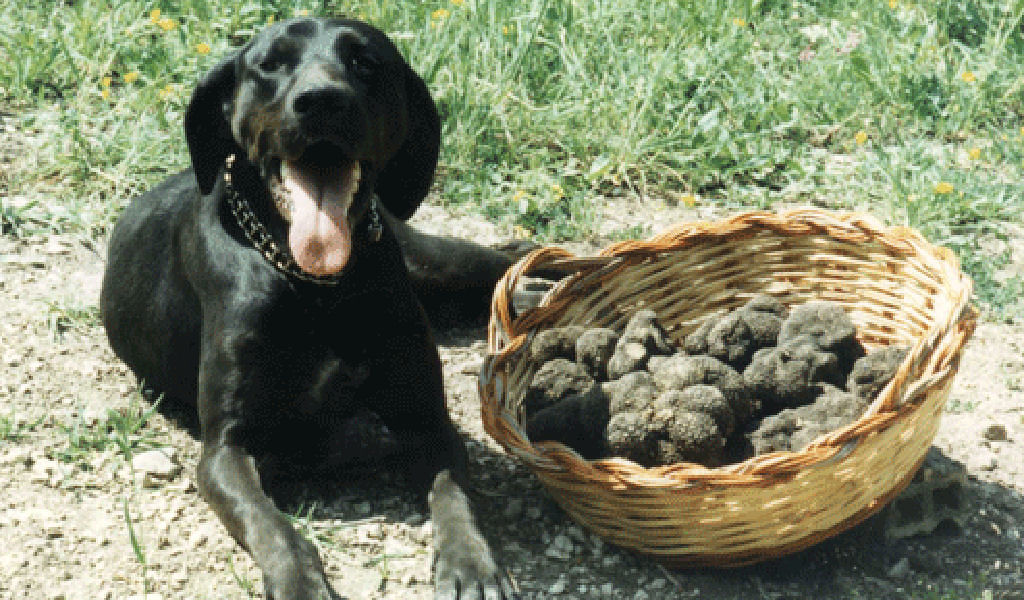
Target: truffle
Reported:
[(873, 371), (594, 349), (558, 342), (828, 326), (739, 334), (791, 374), (555, 380), (693, 437), (642, 339), (701, 398), (680, 371), (697, 341), (632, 392), (578, 421), (629, 435), (794, 428)]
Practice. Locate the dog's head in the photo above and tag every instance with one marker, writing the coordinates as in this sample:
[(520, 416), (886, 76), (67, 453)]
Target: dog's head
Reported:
[(329, 113)]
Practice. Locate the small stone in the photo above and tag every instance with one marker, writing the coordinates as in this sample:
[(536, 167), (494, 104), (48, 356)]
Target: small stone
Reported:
[(995, 433), (156, 465), (561, 548), (901, 569), (557, 587), (513, 508)]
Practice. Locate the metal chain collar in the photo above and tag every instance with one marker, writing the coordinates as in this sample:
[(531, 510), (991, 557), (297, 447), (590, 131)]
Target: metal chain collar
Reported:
[(256, 232)]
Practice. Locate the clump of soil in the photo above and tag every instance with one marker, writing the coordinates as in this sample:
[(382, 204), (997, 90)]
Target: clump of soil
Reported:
[(758, 379)]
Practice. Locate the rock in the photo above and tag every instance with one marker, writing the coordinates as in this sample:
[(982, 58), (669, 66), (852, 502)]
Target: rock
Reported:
[(697, 341), (901, 569), (561, 548), (995, 433), (936, 495), (156, 465)]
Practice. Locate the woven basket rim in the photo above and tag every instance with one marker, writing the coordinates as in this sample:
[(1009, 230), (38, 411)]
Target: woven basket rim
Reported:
[(507, 334)]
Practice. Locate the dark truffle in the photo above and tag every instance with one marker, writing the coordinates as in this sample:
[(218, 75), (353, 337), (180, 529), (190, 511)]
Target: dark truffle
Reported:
[(630, 435), (680, 371), (794, 428), (830, 328), (595, 348), (697, 341), (555, 380), (705, 399), (632, 392), (739, 334), (873, 371), (791, 374), (578, 421), (558, 342), (642, 339), (694, 437)]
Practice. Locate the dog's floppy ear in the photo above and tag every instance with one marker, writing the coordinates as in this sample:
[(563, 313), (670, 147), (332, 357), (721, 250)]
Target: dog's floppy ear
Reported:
[(405, 179), (207, 130)]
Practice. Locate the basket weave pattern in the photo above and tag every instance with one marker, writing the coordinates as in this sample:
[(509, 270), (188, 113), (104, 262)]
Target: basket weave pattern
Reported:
[(897, 288)]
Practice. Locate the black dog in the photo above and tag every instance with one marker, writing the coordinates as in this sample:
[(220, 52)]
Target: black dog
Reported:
[(265, 288)]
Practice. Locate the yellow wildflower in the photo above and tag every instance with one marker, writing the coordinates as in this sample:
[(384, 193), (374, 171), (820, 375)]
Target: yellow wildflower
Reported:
[(302, 12), (943, 187), (974, 153), (519, 232), (131, 77), (166, 92), (105, 82), (892, 4), (270, 19), (557, 191), (506, 29), (203, 48), (861, 137), (440, 14), (458, 2), (689, 200), (968, 76), (105, 94), (739, 22), (154, 16), (1022, 131), (167, 24)]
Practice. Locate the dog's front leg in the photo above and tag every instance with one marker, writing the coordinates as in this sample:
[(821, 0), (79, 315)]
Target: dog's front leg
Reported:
[(229, 482), (464, 567)]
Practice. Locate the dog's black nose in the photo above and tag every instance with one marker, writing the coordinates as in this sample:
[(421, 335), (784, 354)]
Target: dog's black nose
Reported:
[(321, 102)]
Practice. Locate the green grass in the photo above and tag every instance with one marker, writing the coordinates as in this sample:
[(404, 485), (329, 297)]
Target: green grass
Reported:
[(550, 106), (123, 430)]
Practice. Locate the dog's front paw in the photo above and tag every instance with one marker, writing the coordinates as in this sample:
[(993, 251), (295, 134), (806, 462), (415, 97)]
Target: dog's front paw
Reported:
[(466, 571), (299, 577)]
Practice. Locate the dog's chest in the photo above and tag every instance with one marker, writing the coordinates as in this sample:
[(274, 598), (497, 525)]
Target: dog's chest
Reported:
[(333, 385)]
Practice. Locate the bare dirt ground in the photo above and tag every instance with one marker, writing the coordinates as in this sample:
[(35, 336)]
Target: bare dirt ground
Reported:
[(71, 502)]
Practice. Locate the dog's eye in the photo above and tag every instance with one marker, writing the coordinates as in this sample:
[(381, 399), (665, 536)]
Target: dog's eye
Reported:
[(269, 65), (362, 65)]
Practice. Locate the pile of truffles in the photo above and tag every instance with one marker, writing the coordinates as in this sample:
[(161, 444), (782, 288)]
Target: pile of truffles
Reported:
[(759, 379)]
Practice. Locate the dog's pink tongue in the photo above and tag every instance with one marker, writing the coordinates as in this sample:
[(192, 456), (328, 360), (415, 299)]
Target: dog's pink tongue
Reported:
[(319, 236)]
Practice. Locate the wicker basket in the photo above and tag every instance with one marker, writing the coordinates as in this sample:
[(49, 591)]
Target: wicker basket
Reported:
[(898, 288)]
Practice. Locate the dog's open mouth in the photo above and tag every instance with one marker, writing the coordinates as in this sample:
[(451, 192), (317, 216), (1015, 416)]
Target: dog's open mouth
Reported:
[(314, 194)]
